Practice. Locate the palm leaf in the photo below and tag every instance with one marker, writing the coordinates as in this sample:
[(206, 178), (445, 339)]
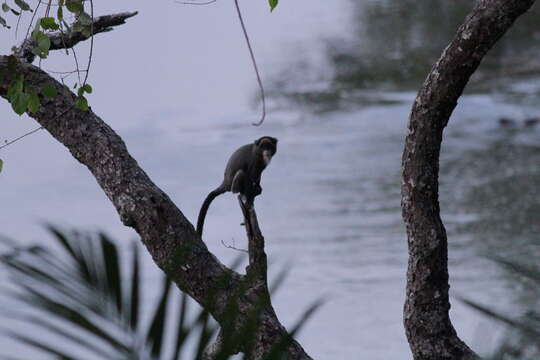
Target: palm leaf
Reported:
[(182, 332), (84, 295), (132, 301), (524, 334), (88, 293), (157, 327)]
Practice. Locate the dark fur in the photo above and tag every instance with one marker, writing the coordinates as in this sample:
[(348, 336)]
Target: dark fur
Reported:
[(242, 174)]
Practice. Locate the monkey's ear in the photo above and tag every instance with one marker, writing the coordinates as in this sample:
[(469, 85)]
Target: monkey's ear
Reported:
[(274, 140), (256, 142)]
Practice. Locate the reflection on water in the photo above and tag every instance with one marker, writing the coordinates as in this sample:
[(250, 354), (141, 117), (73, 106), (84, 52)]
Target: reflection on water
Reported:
[(498, 181), (489, 173), (393, 44)]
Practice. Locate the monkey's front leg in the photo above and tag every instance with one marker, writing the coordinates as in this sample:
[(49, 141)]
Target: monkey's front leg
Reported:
[(257, 189)]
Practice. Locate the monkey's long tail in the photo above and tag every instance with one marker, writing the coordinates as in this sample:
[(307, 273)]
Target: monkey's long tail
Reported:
[(204, 208)]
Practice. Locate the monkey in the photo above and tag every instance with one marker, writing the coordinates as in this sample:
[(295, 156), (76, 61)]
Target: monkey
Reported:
[(242, 174)]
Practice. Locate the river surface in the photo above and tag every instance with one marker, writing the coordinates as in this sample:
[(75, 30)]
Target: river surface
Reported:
[(177, 85)]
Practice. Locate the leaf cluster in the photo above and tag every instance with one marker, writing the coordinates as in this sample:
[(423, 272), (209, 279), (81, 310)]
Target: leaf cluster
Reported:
[(81, 102), (21, 5), (23, 99)]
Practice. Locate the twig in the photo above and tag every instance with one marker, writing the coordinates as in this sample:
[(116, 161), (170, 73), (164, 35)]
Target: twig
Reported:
[(254, 62), (233, 247), (91, 42), (20, 137), (47, 11), (64, 72), (76, 61), (31, 132), (251, 53), (32, 20), (18, 23), (195, 3)]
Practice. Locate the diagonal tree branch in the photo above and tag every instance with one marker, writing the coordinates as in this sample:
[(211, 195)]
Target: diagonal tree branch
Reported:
[(168, 236), (165, 231), (426, 314), (65, 40)]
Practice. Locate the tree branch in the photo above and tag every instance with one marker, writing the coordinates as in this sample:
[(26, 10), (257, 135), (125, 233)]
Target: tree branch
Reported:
[(258, 266), (168, 236), (427, 322), (66, 40)]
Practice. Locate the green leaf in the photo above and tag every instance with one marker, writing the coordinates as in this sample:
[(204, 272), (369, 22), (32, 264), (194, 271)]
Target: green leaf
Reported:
[(19, 103), (4, 23), (86, 31), (49, 23), (81, 103), (15, 88), (157, 327), (49, 90), (85, 19), (33, 103), (273, 4), (5, 7), (43, 42), (87, 88), (23, 5), (1, 165), (60, 13), (75, 6), (19, 84)]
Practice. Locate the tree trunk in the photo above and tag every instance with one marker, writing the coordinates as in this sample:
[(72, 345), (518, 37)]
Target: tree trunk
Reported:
[(426, 315)]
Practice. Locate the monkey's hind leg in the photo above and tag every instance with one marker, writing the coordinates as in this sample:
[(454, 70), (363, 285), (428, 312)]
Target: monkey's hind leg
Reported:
[(238, 182)]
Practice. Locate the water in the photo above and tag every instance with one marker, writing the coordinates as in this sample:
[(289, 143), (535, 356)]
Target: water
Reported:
[(180, 93)]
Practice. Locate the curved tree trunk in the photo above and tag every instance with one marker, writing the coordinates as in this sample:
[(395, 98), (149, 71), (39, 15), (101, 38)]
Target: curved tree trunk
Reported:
[(426, 315)]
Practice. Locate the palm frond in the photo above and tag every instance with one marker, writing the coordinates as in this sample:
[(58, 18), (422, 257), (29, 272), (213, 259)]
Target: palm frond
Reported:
[(87, 292), (522, 340)]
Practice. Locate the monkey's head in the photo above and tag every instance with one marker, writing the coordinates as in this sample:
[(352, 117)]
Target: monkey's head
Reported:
[(267, 146)]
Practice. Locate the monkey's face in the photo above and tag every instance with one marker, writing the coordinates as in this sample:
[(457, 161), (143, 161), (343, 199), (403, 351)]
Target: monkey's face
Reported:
[(268, 147), (267, 157)]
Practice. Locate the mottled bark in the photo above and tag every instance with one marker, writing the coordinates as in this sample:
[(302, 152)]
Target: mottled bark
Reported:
[(258, 267), (169, 237), (426, 315)]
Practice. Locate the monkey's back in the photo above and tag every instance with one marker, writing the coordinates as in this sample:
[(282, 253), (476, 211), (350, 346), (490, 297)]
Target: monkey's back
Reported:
[(239, 160)]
